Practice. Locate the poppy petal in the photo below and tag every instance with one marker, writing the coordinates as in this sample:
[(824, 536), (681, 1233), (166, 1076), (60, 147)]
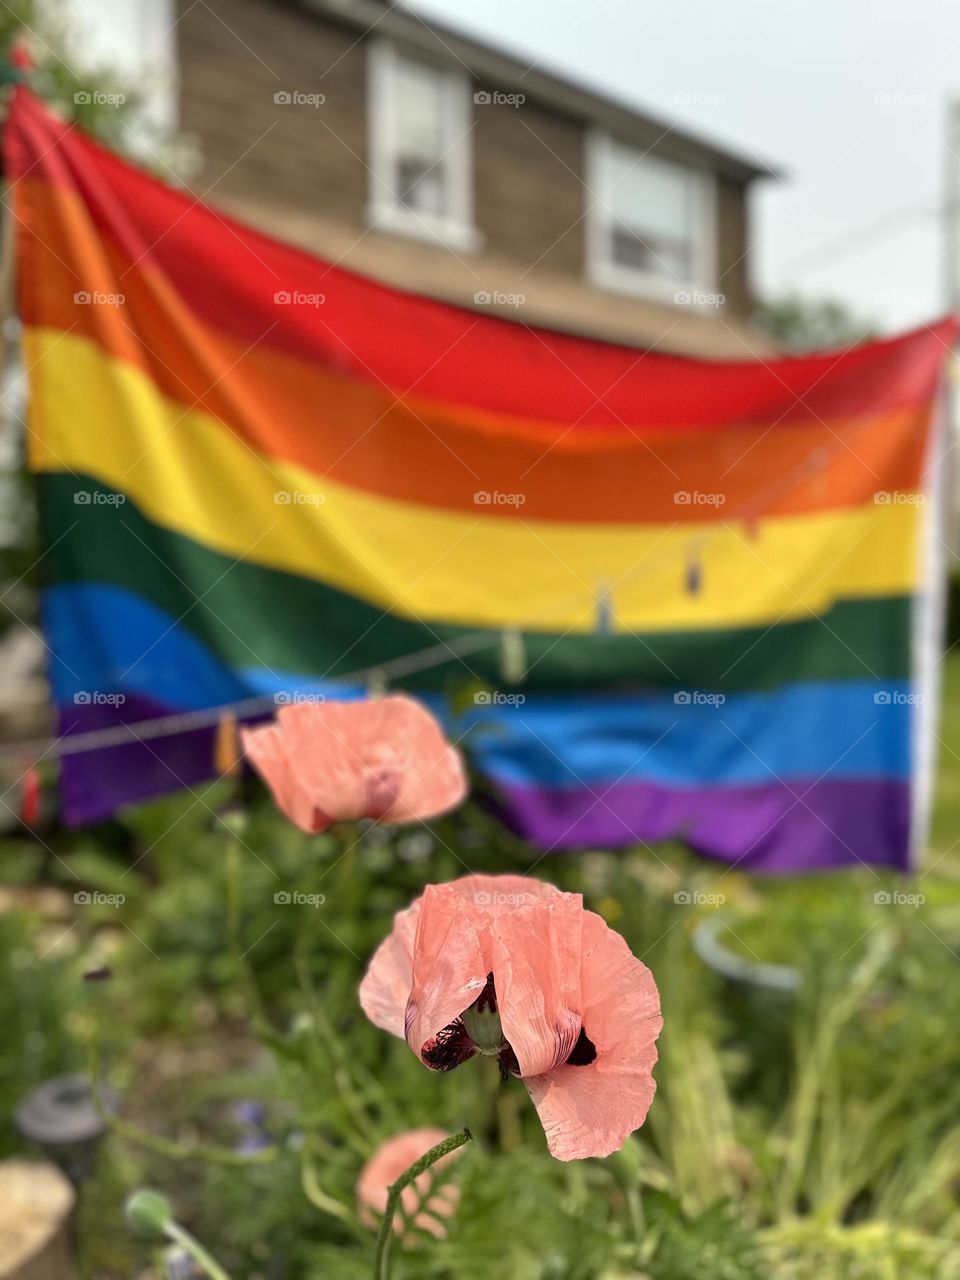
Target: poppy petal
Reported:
[(495, 895), (266, 748), (327, 746), (536, 963), (385, 758), (590, 1110), (432, 776), (449, 966), (386, 985)]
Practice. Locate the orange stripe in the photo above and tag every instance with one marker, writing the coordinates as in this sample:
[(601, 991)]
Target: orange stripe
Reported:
[(417, 450)]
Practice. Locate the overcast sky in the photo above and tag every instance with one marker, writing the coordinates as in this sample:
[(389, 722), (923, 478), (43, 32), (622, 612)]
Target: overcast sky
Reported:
[(847, 97)]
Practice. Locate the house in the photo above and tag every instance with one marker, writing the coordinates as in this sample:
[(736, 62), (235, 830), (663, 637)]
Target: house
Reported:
[(409, 152)]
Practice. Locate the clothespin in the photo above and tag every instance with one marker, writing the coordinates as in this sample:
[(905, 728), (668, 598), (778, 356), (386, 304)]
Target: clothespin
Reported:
[(606, 620), (227, 756), (376, 682), (694, 571), (513, 656)]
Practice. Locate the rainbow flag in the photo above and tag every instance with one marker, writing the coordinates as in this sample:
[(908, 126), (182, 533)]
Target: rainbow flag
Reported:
[(692, 600)]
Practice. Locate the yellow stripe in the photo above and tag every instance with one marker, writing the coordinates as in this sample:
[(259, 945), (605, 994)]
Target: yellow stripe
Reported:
[(96, 415)]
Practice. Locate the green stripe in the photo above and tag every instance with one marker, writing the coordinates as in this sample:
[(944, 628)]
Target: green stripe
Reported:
[(249, 615)]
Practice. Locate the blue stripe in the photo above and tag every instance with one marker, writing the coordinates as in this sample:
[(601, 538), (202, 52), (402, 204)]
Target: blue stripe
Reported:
[(114, 642), (106, 640), (837, 728)]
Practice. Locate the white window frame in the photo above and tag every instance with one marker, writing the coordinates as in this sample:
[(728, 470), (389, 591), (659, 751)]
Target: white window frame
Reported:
[(384, 211), (603, 270)]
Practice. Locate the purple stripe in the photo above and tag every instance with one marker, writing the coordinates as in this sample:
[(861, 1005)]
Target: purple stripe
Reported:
[(773, 828), (95, 784)]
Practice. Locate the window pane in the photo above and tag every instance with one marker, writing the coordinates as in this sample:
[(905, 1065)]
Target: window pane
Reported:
[(418, 104), (652, 210), (420, 130), (654, 255), (421, 185)]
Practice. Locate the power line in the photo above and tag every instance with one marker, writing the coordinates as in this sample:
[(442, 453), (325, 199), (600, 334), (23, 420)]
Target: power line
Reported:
[(869, 233)]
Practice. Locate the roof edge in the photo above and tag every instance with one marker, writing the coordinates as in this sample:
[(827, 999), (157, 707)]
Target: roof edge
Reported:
[(505, 70)]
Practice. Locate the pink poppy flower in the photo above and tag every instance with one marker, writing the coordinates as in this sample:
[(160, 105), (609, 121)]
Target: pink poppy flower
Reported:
[(386, 1165), (510, 967), (332, 761)]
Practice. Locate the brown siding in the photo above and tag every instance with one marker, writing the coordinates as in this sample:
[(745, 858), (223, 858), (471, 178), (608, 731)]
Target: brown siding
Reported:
[(529, 199), (301, 172), (308, 157), (733, 248)]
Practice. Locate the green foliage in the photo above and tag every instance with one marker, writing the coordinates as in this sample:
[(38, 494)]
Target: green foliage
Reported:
[(800, 1135), (93, 95), (34, 1013), (800, 325)]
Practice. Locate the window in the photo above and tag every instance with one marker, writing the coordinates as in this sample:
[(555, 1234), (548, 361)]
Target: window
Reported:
[(420, 154), (651, 222)]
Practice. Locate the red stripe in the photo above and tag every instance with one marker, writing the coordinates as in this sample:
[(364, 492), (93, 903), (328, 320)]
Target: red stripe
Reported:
[(439, 455), (229, 275)]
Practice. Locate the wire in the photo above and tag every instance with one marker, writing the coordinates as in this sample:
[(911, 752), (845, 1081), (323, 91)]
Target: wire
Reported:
[(858, 239), (245, 708)]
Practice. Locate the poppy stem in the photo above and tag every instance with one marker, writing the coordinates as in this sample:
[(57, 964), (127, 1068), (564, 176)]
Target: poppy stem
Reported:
[(488, 1099), (381, 1268), (173, 1231)]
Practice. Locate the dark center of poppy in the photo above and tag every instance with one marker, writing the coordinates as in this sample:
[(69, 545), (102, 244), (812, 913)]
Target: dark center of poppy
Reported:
[(479, 1030)]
